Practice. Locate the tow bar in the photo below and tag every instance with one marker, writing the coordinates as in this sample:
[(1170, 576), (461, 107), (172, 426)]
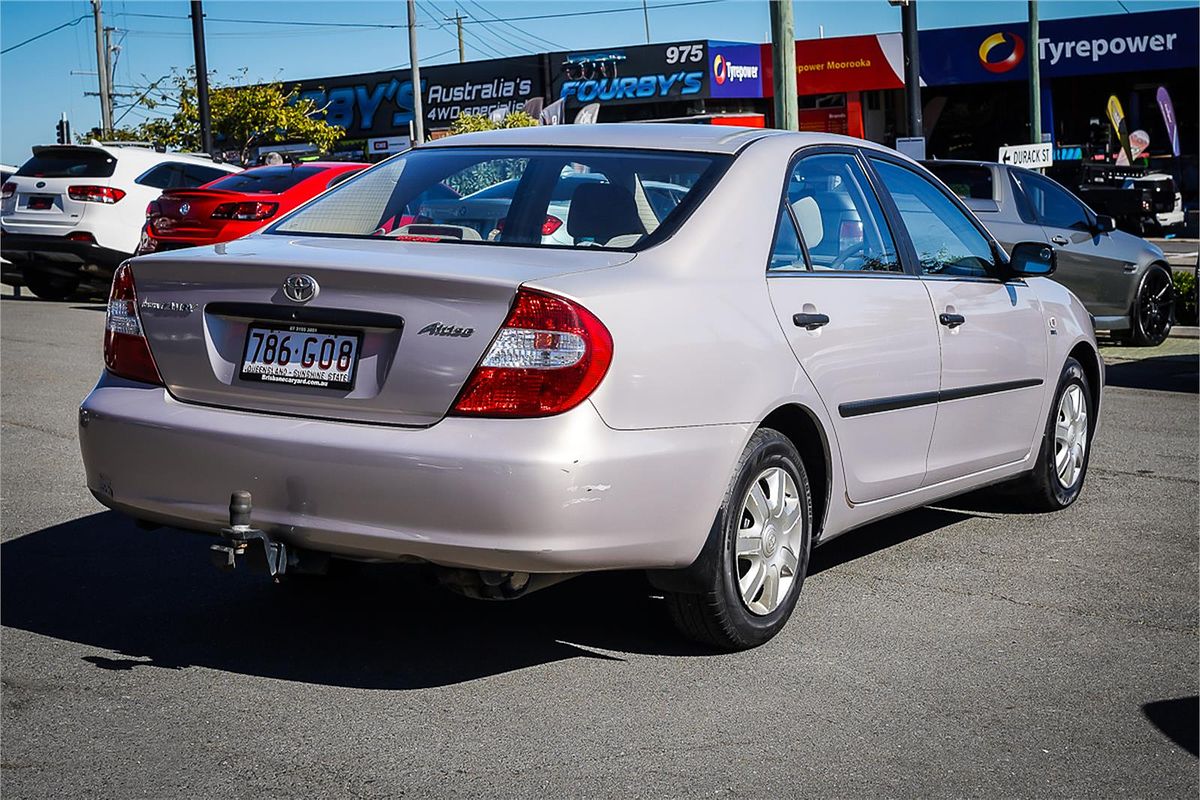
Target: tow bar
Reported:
[(239, 539)]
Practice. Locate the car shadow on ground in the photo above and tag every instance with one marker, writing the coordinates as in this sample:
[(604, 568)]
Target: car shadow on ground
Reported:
[(1178, 719), (1176, 373), (151, 599)]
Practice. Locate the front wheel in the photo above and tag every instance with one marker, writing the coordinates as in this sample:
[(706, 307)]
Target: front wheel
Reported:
[(1056, 479), (1152, 314), (749, 575)]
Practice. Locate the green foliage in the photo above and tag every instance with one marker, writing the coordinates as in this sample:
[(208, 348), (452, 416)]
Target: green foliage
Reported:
[(488, 173), (1185, 296), (243, 115)]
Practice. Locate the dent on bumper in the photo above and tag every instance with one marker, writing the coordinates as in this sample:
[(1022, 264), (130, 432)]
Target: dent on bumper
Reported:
[(559, 494)]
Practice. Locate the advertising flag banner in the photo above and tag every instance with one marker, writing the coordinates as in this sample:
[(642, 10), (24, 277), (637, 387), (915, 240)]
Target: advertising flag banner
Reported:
[(553, 113), (1139, 141), (588, 114), (1168, 114), (533, 107), (1116, 115)]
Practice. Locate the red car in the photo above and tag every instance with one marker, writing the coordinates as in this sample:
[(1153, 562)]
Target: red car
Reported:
[(237, 204)]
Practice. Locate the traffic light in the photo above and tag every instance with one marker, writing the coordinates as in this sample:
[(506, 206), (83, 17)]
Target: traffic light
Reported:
[(64, 131)]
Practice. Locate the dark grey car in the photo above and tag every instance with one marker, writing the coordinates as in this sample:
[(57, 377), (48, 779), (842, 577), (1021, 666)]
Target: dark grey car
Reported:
[(1123, 280)]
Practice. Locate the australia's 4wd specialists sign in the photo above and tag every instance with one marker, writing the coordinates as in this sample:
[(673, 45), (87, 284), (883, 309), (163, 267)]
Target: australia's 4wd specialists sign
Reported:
[(639, 74), (378, 104)]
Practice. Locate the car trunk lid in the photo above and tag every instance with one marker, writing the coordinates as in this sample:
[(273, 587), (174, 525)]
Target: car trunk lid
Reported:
[(188, 213), (423, 314)]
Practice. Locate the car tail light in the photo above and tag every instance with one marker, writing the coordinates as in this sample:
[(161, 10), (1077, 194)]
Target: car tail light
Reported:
[(9, 189), (153, 209), (549, 226), (95, 194), (81, 236), (549, 355), (245, 211), (126, 351)]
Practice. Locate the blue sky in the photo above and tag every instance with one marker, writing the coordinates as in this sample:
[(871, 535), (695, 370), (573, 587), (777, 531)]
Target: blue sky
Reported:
[(37, 81)]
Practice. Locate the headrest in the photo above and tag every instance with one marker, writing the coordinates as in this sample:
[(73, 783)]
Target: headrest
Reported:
[(601, 211)]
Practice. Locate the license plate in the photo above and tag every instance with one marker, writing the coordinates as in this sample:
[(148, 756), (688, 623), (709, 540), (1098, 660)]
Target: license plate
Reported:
[(301, 355), (40, 203)]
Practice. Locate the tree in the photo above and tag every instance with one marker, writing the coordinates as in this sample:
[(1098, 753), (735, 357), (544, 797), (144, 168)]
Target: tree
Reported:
[(243, 115), (474, 123)]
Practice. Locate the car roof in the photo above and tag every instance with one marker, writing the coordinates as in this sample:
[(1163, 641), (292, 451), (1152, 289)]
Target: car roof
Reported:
[(140, 155), (636, 135)]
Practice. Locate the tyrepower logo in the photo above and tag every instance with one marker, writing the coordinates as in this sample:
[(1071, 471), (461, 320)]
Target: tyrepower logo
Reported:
[(725, 70), (1003, 63)]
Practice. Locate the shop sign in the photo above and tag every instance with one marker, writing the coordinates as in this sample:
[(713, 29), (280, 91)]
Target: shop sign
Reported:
[(849, 63), (641, 74), (735, 70)]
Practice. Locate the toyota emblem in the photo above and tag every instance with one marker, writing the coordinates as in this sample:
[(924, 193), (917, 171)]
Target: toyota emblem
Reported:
[(300, 288)]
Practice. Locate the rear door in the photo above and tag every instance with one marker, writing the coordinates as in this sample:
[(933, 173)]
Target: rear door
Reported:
[(862, 329), (993, 338), (41, 203), (1087, 264)]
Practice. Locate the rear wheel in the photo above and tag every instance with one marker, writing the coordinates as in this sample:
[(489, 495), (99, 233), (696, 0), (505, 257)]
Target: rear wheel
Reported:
[(1056, 479), (49, 286), (749, 575), (1152, 314)]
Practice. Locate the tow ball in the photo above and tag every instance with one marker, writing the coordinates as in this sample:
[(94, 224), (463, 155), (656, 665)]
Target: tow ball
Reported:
[(257, 549)]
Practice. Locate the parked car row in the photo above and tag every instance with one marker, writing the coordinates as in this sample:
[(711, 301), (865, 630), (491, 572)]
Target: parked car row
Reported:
[(72, 213)]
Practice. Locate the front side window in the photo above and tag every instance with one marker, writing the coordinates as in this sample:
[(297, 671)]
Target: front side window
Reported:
[(840, 218), (552, 197), (946, 241), (1054, 205)]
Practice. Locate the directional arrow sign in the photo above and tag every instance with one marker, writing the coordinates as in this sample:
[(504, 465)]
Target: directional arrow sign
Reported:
[(1032, 156)]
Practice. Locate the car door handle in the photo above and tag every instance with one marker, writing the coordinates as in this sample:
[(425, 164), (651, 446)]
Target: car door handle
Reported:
[(810, 322), (952, 320), (1059, 239)]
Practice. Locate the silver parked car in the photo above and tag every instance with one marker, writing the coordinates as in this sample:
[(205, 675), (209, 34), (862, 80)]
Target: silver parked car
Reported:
[(1123, 280), (816, 336)]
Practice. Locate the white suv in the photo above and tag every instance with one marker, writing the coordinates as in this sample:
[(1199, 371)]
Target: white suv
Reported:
[(72, 213)]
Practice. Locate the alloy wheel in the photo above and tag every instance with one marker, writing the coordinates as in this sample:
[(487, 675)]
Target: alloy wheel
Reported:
[(1070, 436), (1154, 305)]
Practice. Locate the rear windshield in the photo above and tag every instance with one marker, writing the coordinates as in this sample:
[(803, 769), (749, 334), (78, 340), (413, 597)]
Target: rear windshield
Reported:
[(547, 197), (265, 180), (968, 181), (69, 162)]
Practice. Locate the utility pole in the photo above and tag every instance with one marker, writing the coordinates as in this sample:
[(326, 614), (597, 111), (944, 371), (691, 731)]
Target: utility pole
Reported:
[(102, 73), (646, 19), (1035, 78), (912, 67), (457, 19), (415, 71), (201, 77), (783, 59)]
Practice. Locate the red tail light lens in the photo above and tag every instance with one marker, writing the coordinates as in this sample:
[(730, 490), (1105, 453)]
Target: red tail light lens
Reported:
[(95, 194), (10, 189), (245, 211), (551, 224), (549, 355), (126, 352), (153, 209)]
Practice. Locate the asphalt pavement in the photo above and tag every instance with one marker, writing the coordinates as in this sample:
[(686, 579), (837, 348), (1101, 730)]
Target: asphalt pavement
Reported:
[(952, 651)]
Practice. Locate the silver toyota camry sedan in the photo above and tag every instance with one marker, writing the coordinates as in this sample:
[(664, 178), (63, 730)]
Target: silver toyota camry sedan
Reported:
[(814, 333)]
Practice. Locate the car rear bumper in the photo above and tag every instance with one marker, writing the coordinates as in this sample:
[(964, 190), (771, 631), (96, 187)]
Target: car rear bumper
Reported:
[(559, 494), (58, 253)]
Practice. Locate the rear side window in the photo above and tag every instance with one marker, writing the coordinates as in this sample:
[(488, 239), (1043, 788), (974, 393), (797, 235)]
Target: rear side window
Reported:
[(550, 196), (968, 181), (69, 162), (266, 180)]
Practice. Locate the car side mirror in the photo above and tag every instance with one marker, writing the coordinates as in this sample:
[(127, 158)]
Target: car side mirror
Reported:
[(1105, 223), (1032, 260)]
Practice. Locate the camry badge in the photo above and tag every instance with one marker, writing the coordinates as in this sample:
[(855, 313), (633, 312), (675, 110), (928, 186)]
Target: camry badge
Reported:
[(300, 288), (184, 209)]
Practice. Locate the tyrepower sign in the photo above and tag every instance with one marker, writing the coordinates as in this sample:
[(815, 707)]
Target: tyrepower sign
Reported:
[(735, 70), (1151, 40), (1030, 156)]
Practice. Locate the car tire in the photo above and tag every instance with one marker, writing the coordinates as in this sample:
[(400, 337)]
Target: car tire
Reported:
[(49, 286), (724, 609), (1153, 311), (1046, 487)]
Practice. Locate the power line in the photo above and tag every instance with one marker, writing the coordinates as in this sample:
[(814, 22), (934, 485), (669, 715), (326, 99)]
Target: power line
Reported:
[(73, 22), (297, 23), (494, 36), (596, 12), (481, 43), (529, 37)]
